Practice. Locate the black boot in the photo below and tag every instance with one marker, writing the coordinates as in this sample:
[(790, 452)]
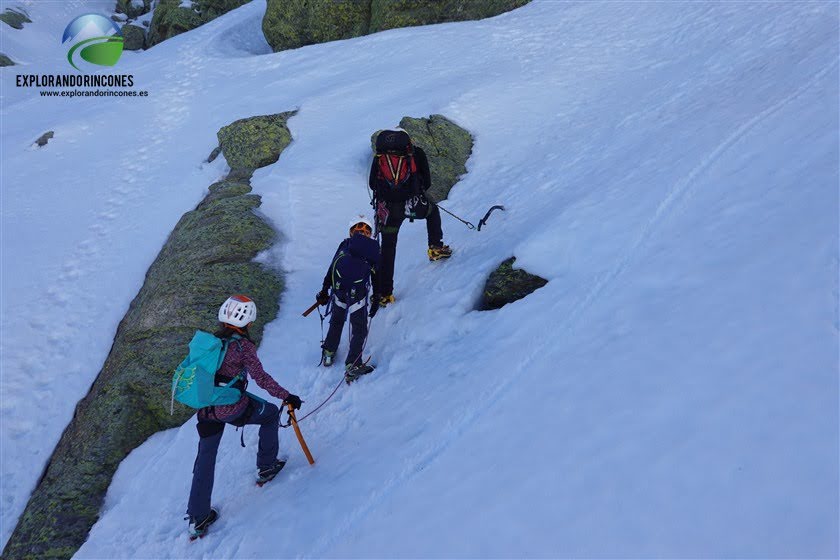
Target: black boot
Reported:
[(267, 474), (198, 527)]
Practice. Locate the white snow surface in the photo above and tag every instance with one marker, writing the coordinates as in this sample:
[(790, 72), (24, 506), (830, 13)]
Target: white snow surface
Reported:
[(670, 168)]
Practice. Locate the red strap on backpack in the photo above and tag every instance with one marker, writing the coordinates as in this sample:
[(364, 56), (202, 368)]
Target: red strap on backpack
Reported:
[(395, 170)]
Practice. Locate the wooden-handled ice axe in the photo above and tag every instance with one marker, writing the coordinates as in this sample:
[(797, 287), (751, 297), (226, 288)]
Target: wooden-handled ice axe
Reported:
[(311, 309), (299, 435)]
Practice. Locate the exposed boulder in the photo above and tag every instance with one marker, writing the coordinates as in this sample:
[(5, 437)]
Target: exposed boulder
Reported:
[(5, 61), (447, 146), (208, 256), (173, 17), (15, 17), (391, 14), (133, 8), (507, 284), (289, 25), (44, 138), (134, 37), (256, 141)]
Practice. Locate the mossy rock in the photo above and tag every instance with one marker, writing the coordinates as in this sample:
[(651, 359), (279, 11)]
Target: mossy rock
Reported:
[(5, 61), (134, 37), (15, 17), (172, 19), (292, 24), (255, 142), (507, 284), (391, 14), (447, 146), (208, 256), (133, 8), (289, 24)]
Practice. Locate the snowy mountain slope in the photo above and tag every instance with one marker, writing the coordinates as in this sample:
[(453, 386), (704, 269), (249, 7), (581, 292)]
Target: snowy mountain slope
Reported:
[(670, 168)]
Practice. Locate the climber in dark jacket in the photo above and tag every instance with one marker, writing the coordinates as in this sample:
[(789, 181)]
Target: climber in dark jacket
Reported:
[(351, 274), (399, 178)]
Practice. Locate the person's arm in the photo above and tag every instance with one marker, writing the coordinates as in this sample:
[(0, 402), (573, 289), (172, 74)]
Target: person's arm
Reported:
[(423, 168), (372, 178), (258, 374)]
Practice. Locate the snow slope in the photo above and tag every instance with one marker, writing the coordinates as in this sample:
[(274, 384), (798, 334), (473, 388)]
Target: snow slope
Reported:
[(670, 168)]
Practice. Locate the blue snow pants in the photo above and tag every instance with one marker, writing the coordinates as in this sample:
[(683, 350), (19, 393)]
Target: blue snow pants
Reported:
[(266, 415)]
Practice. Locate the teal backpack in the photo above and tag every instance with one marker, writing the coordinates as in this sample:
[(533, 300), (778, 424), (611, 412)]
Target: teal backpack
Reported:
[(194, 381)]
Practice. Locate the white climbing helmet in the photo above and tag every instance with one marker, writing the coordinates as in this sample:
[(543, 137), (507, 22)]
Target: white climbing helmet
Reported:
[(238, 311), (360, 219)]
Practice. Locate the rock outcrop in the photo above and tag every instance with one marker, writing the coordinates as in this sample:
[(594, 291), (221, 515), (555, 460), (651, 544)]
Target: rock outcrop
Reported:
[(507, 284), (292, 24), (173, 17), (15, 17)]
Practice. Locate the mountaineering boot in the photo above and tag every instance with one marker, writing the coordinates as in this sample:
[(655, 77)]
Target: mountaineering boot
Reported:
[(437, 252), (327, 357), (267, 474), (355, 372), (385, 300), (198, 527)]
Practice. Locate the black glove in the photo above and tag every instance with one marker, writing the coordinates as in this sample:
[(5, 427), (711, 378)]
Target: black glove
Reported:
[(374, 305), (293, 400), (322, 297)]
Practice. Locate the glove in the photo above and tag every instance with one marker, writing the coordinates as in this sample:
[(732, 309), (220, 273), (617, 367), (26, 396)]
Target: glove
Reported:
[(322, 297), (293, 400), (374, 305)]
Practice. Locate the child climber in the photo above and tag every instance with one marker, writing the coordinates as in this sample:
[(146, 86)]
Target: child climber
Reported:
[(235, 315), (349, 277)]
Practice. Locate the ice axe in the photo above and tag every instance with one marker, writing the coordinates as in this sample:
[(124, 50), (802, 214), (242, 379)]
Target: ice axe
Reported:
[(299, 435), (311, 309), (470, 225)]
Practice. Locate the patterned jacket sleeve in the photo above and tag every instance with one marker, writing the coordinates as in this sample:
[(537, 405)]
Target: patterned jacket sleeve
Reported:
[(258, 374)]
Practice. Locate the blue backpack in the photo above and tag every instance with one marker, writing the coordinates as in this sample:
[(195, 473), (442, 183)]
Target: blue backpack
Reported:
[(194, 381)]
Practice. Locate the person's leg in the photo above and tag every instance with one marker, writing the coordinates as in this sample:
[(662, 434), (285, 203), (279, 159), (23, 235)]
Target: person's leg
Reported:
[(389, 254), (267, 416), (358, 334), (337, 317), (434, 230), (204, 469)]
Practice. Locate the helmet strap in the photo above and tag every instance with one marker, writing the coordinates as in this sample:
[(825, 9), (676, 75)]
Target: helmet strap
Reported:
[(235, 328)]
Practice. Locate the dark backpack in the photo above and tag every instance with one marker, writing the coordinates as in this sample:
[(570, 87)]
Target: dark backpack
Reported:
[(395, 142), (351, 267)]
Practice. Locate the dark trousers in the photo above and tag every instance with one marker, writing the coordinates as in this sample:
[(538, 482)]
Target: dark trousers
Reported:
[(210, 433), (390, 232), (358, 328)]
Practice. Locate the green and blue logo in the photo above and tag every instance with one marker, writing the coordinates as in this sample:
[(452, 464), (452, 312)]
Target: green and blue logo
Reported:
[(93, 38)]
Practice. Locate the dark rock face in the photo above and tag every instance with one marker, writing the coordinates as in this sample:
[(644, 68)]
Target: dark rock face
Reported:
[(15, 17), (133, 9), (172, 19), (5, 61), (208, 256), (447, 146), (506, 285), (134, 37), (289, 24), (44, 138)]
